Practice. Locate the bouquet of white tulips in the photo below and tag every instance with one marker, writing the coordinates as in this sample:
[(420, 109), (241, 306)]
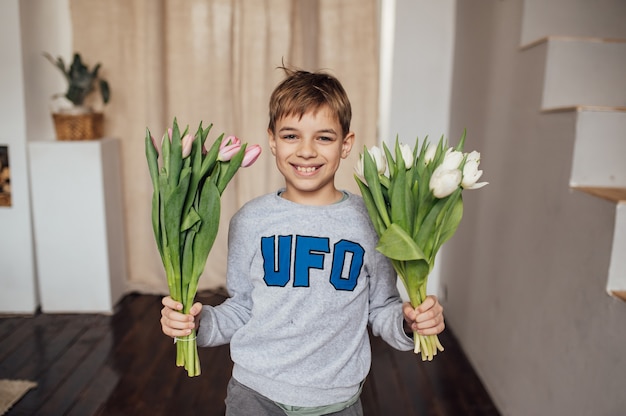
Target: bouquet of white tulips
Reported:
[(413, 197)]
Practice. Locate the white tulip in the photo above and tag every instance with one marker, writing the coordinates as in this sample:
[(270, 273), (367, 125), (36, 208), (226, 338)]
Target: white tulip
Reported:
[(452, 159), (358, 169), (379, 157), (471, 173), (429, 154), (444, 181), (474, 155), (407, 155)]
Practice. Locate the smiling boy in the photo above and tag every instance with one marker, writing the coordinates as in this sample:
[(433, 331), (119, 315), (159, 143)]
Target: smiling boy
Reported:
[(304, 277)]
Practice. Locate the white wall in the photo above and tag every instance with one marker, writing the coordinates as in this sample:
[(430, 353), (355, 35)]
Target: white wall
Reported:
[(46, 27), (597, 18), (528, 266), (25, 28), (416, 74), (17, 267), (421, 70)]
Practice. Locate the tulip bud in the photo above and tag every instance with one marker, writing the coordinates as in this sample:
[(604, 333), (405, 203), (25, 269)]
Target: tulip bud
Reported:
[(430, 152), (252, 154), (229, 140), (228, 148), (452, 159), (471, 173), (358, 169), (444, 181), (407, 155), (187, 143), (379, 158), (156, 145)]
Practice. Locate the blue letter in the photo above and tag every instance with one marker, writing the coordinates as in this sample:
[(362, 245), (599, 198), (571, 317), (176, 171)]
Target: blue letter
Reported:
[(276, 276), (306, 259), (339, 258)]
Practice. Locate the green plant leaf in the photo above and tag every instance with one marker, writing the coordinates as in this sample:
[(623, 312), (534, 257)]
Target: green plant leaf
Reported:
[(209, 212), (231, 168), (176, 155), (211, 157), (379, 226), (105, 91), (190, 220), (396, 244), (390, 162), (152, 157), (398, 198), (370, 171)]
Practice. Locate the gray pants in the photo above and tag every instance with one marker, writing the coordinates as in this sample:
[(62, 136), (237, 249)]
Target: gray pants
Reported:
[(243, 401)]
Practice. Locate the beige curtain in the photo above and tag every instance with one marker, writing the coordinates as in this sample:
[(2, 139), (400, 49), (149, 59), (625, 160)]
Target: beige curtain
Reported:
[(215, 61)]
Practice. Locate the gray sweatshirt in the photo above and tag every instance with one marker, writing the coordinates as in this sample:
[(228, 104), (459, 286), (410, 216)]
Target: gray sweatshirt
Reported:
[(304, 282)]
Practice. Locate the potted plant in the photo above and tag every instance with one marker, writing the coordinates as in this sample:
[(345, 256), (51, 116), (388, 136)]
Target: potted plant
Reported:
[(77, 121)]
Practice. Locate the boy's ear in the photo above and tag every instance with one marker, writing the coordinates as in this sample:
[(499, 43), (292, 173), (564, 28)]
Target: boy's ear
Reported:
[(272, 141), (348, 142)]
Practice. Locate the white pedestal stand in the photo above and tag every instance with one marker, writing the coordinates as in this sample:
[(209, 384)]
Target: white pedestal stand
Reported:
[(78, 224)]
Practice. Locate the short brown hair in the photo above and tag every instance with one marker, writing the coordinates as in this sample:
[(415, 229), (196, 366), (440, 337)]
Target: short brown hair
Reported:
[(304, 91)]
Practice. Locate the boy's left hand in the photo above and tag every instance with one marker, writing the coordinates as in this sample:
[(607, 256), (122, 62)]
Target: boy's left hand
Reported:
[(427, 318)]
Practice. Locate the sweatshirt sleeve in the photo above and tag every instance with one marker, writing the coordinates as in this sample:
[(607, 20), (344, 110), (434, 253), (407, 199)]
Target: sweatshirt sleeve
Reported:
[(385, 314), (219, 323)]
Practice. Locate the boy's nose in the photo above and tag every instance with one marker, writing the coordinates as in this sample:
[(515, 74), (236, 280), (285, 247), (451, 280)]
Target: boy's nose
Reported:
[(306, 149)]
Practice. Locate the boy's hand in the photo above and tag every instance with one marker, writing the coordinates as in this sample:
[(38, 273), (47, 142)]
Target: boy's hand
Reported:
[(427, 318), (176, 324)]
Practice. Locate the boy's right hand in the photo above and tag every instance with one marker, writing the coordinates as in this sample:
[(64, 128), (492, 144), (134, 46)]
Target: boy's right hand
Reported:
[(176, 324)]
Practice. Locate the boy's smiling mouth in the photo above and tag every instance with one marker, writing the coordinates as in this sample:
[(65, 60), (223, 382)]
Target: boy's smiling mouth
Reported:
[(306, 169)]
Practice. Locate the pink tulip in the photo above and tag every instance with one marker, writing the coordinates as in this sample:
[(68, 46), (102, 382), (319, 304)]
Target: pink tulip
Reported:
[(229, 140), (156, 145), (228, 148), (251, 155), (187, 143)]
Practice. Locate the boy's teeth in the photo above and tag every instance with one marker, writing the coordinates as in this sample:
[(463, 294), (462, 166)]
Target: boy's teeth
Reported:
[(306, 169)]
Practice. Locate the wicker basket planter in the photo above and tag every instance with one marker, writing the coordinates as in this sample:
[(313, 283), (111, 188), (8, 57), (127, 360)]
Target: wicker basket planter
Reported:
[(87, 126)]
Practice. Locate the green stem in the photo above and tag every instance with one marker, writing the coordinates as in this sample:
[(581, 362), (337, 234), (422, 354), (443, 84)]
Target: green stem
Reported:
[(187, 354), (426, 345)]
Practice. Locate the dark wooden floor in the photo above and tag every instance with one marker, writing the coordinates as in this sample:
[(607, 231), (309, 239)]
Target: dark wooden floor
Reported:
[(123, 365)]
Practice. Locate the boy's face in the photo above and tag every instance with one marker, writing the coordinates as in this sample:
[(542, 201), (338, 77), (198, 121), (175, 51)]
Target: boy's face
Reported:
[(308, 151)]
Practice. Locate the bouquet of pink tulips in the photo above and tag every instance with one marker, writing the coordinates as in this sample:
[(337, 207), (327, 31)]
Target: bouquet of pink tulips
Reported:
[(413, 198), (188, 180)]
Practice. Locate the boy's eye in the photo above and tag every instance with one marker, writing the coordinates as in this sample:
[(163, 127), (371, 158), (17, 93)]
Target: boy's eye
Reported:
[(326, 139), (289, 136)]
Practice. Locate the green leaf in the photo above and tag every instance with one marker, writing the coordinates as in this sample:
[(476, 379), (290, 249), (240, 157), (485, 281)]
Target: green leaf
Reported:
[(448, 220), (187, 275), (427, 229), (209, 212), (195, 159), (390, 165), (398, 199), (415, 277), (232, 166), (396, 244), (379, 226), (152, 157), (461, 143), (166, 146), (370, 171), (173, 200), (175, 155), (105, 91), (190, 220), (211, 157)]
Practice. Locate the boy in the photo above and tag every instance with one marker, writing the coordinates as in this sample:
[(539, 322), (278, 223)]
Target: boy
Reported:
[(304, 276)]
